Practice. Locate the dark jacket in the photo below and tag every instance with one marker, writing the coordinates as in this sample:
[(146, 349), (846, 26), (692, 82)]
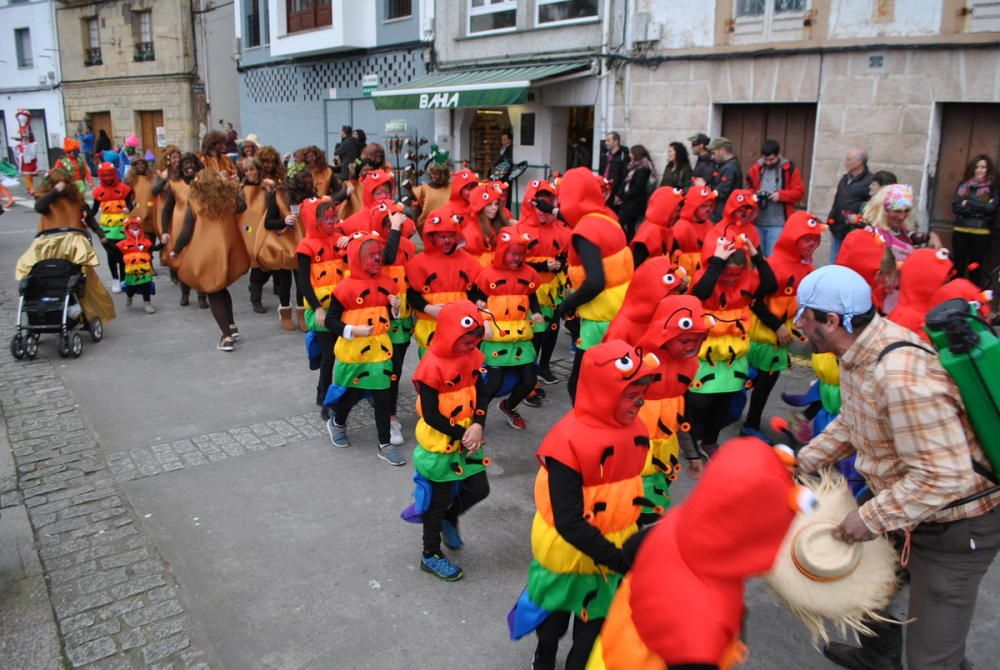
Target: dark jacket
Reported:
[(973, 212), (704, 168), (727, 178), (790, 190), (634, 195), (614, 171), (852, 192), (681, 178), (347, 151)]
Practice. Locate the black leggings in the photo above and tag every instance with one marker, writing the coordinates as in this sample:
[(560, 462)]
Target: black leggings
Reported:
[(545, 343), (380, 399), (221, 304), (551, 631), (526, 377), (145, 290), (709, 414), (763, 384), (475, 488), (326, 340), (116, 260), (398, 356), (967, 248), (283, 282), (574, 376)]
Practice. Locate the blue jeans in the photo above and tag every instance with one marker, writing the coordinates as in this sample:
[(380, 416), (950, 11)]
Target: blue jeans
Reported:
[(835, 243), (768, 236)]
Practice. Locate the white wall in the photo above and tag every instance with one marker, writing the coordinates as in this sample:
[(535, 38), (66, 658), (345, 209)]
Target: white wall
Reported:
[(353, 27), (39, 18), (857, 18), (686, 23), (216, 43)]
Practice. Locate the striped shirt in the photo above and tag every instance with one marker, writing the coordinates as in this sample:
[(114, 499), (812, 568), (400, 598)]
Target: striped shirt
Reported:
[(904, 418)]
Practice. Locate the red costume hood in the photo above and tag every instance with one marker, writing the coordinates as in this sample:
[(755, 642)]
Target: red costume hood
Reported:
[(483, 195), (372, 181), (460, 180), (964, 289), (513, 235), (605, 373), (662, 205), (739, 198), (354, 253), (442, 220), (455, 320), (921, 274), (655, 279), (107, 173), (862, 251), (316, 243), (695, 198), (529, 214), (675, 315), (787, 263), (581, 192)]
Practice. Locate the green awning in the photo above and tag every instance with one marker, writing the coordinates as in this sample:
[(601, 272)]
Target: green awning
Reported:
[(471, 88)]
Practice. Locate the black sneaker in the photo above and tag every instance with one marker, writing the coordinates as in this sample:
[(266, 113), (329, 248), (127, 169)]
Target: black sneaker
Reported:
[(545, 374), (533, 399)]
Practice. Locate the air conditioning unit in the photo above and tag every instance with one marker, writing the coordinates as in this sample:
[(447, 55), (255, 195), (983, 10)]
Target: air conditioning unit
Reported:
[(644, 29)]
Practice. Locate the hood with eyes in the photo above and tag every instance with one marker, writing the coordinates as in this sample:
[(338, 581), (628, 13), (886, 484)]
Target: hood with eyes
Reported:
[(509, 236), (964, 289), (529, 214), (655, 279), (695, 198), (863, 251), (354, 260), (107, 173), (606, 371), (921, 274), (582, 192), (455, 320), (373, 180), (662, 204), (741, 197), (460, 180), (675, 315)]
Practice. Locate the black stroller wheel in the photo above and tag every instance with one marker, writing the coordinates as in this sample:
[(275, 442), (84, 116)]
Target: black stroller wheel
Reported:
[(76, 345), (96, 329), (31, 346), (64, 346), (17, 346)]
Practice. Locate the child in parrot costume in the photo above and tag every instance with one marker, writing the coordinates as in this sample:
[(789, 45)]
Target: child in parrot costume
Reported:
[(652, 282), (655, 236), (691, 229)]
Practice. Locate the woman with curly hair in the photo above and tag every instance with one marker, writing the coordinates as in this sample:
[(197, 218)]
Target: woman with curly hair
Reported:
[(271, 165), (213, 154), (209, 254), (323, 178), (61, 204), (975, 206), (175, 207)]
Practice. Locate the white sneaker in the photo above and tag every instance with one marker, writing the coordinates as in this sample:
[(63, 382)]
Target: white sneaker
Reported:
[(395, 432), (148, 309), (116, 286)]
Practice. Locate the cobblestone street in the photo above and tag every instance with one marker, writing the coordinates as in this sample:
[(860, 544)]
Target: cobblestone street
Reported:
[(189, 511)]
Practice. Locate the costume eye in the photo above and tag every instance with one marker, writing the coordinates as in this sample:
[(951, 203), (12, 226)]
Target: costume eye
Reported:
[(536, 183), (374, 175), (943, 254), (358, 235), (803, 500), (685, 323), (812, 223), (740, 198), (526, 237), (505, 237), (435, 220), (625, 363), (976, 305), (485, 196), (467, 322), (669, 279)]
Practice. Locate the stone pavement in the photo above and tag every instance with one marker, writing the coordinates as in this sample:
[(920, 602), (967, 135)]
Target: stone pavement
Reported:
[(189, 511)]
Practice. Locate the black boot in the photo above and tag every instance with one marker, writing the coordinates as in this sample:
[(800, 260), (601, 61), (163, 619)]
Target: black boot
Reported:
[(881, 651), (256, 291)]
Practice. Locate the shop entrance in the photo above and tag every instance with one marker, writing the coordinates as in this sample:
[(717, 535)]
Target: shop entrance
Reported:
[(579, 137), (149, 121), (484, 139)]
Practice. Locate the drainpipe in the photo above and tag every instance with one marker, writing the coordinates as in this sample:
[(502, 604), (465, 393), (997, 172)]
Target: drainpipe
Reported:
[(601, 127)]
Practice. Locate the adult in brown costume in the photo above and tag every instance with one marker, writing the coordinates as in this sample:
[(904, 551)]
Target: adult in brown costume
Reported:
[(209, 253), (174, 208), (276, 245), (61, 205), (323, 177), (139, 177), (213, 154)]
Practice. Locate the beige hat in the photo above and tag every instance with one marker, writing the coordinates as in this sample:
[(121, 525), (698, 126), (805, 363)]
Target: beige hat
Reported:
[(823, 579), (720, 142)]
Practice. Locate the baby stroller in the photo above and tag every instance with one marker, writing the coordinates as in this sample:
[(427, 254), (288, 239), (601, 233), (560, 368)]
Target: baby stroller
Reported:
[(51, 300)]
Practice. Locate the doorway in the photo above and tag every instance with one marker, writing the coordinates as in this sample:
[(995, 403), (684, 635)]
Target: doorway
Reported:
[(792, 125), (484, 139), (149, 121), (101, 121), (579, 136)]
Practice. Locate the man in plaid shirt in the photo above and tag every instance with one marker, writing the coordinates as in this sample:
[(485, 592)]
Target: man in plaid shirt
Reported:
[(903, 416)]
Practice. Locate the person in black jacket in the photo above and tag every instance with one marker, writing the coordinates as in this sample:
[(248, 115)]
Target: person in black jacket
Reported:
[(346, 152), (703, 168), (975, 207), (613, 166), (852, 192), (727, 176), (634, 192)]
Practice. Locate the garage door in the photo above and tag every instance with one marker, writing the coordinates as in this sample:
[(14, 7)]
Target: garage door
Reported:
[(792, 125)]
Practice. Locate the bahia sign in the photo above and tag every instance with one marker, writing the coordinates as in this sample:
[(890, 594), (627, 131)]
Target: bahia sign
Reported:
[(438, 100)]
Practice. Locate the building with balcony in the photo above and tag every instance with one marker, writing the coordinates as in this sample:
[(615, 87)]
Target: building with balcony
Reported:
[(29, 62), (914, 82), (528, 67), (308, 67), (132, 66)]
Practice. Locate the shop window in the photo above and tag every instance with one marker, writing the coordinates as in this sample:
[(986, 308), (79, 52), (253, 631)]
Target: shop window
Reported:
[(308, 14), (142, 31), (22, 42), (565, 11), (769, 21), (91, 42), (398, 9), (492, 16)]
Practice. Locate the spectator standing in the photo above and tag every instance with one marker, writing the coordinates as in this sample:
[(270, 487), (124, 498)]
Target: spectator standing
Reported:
[(86, 139), (703, 168), (362, 139), (613, 166), (634, 192), (903, 417), (26, 155), (231, 136), (346, 152), (975, 207), (102, 143), (852, 192), (677, 172), (778, 185), (727, 176)]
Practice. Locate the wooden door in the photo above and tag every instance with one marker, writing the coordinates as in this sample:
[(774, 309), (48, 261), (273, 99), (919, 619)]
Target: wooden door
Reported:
[(102, 121), (792, 125), (149, 121), (484, 136)]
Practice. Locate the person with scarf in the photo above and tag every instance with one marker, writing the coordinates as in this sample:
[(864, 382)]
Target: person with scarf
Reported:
[(172, 218), (600, 262), (113, 200), (771, 328), (655, 236), (487, 216), (588, 497), (975, 206), (449, 462), (358, 315), (633, 193), (137, 251), (692, 228)]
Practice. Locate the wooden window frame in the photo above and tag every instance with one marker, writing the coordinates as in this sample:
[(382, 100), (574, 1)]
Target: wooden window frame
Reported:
[(319, 14)]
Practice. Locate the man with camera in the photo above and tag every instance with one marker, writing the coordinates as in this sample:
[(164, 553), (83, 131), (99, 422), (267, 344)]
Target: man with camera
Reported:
[(778, 185)]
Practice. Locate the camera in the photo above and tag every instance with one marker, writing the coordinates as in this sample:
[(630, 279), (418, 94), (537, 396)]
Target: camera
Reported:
[(763, 197)]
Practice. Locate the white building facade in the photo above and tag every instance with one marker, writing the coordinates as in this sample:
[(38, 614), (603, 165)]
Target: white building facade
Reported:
[(30, 76)]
